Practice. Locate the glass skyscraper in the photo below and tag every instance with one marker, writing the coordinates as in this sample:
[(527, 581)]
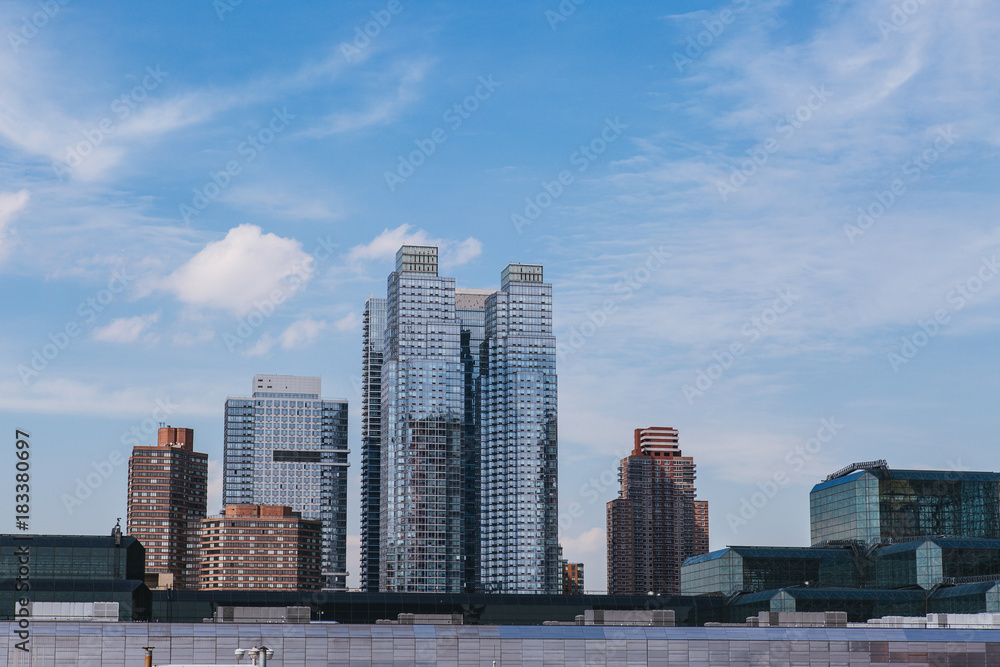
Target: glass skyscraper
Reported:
[(467, 454), (422, 478), (520, 529), (371, 438), (285, 445)]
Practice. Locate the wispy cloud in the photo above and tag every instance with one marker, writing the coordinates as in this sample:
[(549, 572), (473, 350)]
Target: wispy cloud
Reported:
[(128, 330), (301, 333), (10, 205), (385, 245), (381, 110)]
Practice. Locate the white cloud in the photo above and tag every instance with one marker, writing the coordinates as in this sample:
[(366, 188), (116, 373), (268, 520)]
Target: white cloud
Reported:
[(348, 322), (302, 333), (385, 245), (588, 542), (262, 346), (128, 330), (245, 270), (298, 334), (11, 203)]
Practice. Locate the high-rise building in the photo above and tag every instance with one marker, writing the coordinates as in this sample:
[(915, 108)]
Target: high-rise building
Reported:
[(287, 446), (260, 547), (371, 438), (167, 490), (468, 409), (520, 541), (572, 578), (422, 490), (655, 523), (470, 308), (870, 502)]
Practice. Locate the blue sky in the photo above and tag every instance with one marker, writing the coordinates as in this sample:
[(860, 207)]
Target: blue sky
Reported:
[(771, 225)]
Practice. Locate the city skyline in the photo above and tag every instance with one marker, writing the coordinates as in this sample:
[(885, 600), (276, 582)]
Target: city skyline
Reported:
[(769, 225)]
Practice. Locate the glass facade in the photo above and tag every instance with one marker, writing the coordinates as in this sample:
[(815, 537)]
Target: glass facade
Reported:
[(287, 446), (520, 546), (753, 569), (74, 568), (470, 308), (879, 504), (371, 438), (845, 509), (931, 562), (422, 475), (467, 451)]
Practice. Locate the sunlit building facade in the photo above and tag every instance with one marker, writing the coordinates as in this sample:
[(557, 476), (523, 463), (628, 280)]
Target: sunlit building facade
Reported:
[(287, 446), (422, 476), (656, 523), (520, 541), (467, 464), (167, 490)]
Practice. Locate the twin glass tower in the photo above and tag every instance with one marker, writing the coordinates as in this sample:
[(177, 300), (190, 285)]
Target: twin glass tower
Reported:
[(459, 453)]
